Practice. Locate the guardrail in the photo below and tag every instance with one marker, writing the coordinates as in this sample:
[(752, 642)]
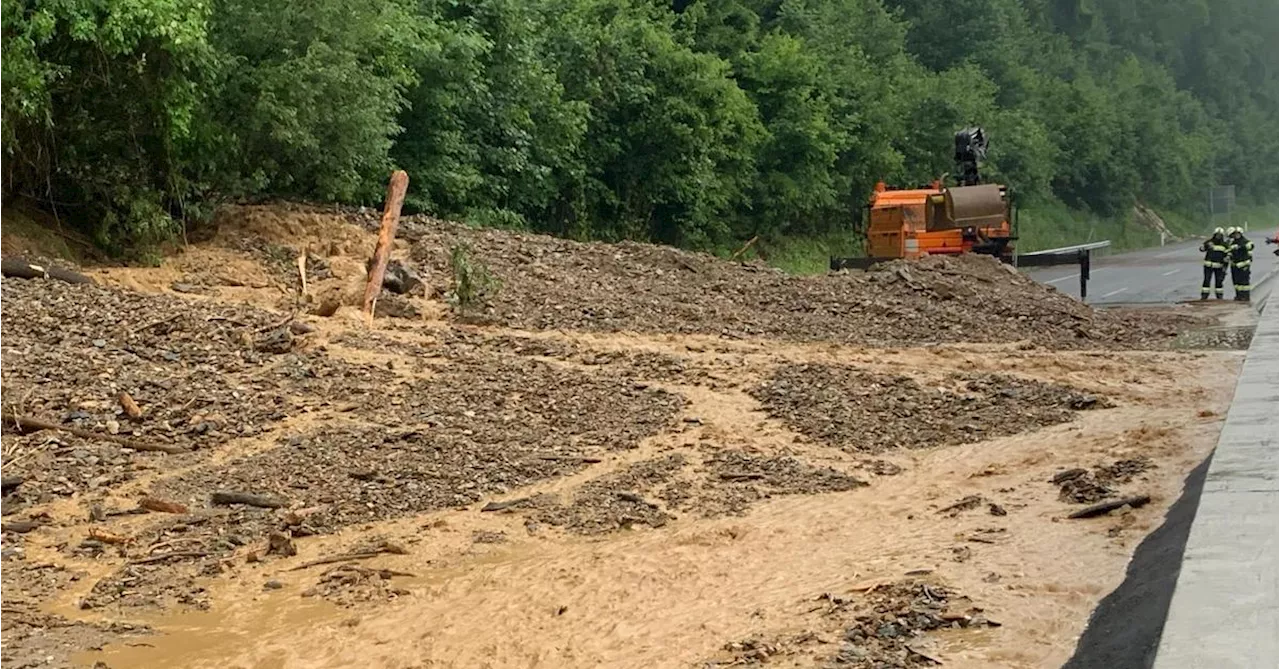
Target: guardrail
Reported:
[(1067, 255)]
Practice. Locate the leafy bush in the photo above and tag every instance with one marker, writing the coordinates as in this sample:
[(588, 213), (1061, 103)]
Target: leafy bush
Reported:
[(471, 284)]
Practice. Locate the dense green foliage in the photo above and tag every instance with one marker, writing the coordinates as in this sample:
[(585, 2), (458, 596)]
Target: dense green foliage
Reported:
[(699, 122)]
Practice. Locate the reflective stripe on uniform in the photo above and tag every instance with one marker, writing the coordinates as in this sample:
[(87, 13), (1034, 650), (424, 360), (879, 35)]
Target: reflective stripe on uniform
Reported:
[(1210, 263), (1243, 288), (1242, 264)]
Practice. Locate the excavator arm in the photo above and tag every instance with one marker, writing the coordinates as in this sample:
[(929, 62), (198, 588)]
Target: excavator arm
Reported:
[(971, 147)]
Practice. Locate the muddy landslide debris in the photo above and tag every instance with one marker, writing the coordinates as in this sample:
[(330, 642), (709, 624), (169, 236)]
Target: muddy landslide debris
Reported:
[(553, 283), (859, 411), (1085, 486), (881, 628)]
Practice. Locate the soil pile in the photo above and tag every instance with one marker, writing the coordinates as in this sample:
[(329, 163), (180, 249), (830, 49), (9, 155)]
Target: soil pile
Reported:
[(855, 410), (550, 283)]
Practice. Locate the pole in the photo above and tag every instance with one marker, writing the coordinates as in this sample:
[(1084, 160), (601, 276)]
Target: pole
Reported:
[(386, 233), (1084, 275)]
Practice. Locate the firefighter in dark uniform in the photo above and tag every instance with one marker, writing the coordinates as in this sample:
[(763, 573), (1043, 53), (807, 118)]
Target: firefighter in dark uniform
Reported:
[(1215, 263), (1240, 255)]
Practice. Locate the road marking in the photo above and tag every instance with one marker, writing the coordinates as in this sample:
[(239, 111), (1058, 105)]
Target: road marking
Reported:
[(1120, 290), (1072, 276), (1172, 253), (1172, 271)]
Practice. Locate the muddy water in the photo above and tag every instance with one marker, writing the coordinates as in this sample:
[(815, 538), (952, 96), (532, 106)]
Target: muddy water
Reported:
[(674, 596)]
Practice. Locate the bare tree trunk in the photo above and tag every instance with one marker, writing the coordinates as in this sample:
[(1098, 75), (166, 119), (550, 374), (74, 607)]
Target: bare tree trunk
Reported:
[(390, 219)]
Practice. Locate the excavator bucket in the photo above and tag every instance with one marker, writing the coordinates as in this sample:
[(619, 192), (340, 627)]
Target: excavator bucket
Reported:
[(977, 206)]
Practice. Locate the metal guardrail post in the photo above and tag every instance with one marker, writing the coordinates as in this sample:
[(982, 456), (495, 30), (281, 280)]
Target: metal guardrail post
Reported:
[(1084, 273), (1080, 254)]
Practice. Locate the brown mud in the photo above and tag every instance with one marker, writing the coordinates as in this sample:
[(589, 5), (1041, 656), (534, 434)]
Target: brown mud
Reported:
[(852, 470)]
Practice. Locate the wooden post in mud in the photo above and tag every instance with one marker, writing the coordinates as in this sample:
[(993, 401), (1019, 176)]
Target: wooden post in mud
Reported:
[(390, 219)]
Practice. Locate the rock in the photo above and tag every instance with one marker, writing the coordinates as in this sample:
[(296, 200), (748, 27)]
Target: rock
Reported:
[(21, 526), (272, 585), (279, 544), (400, 279), (279, 340), (113, 426)]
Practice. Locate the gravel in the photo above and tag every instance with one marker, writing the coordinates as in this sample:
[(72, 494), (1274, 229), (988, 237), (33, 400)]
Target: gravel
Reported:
[(552, 283), (859, 411)]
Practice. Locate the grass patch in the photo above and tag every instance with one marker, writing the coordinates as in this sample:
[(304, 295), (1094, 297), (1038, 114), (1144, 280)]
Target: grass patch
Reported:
[(31, 233), (1053, 224), (801, 255)]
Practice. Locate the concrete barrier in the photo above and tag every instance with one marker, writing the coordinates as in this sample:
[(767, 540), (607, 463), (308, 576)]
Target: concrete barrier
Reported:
[(1225, 610)]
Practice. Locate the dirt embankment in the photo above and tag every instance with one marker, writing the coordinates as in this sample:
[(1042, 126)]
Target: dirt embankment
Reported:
[(552, 283), (643, 457)]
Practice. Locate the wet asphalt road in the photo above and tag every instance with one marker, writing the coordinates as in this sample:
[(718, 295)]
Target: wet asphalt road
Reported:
[(1165, 274)]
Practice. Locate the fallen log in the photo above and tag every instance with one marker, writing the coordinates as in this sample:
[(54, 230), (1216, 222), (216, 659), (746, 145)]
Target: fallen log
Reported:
[(499, 506), (226, 498), (1107, 507), (580, 459), (20, 268), (741, 476), (107, 537), (161, 506), (27, 425), (11, 483)]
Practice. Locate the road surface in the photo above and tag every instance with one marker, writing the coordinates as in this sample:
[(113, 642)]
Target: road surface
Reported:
[(1164, 274)]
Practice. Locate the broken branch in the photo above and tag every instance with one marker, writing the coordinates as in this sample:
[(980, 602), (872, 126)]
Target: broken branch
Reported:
[(1107, 507), (738, 254), (165, 556), (586, 460), (131, 408), (963, 505), (346, 557), (161, 506), (27, 425), (226, 498)]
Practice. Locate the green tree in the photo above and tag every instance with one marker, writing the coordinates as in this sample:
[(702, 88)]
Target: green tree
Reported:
[(670, 137)]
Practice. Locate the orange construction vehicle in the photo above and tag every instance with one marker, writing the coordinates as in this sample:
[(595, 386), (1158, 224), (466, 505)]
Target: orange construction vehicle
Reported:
[(969, 217)]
